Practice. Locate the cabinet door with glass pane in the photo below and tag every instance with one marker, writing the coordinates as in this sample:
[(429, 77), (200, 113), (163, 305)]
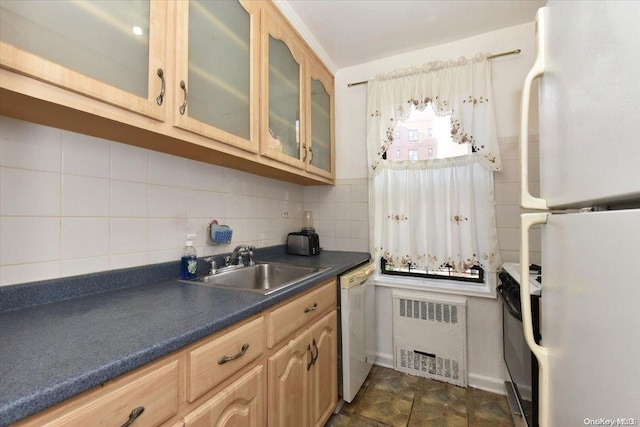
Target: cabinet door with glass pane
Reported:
[(320, 120), (112, 51), (282, 100), (217, 54)]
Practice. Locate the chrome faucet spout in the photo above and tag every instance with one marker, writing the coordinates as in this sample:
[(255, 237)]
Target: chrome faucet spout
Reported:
[(240, 253)]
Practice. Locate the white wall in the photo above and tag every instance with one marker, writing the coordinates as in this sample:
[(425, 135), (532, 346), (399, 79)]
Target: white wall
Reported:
[(484, 320)]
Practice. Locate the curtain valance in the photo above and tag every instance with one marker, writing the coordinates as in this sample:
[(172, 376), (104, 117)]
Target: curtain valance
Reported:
[(461, 88)]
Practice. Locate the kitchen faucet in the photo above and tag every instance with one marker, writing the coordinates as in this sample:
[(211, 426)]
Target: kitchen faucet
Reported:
[(236, 257)]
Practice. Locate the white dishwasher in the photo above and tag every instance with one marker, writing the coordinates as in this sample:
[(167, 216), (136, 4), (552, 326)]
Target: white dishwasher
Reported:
[(357, 328)]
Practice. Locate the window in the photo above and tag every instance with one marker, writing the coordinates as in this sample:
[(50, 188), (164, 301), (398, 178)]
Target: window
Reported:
[(439, 145), (397, 154), (473, 274), (413, 154)]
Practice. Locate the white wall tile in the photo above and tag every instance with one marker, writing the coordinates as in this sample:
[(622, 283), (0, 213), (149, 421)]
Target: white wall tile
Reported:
[(263, 229), (507, 193), (156, 257), (128, 235), (165, 234), (165, 169), (360, 193), (343, 229), (360, 245), (325, 227), (360, 211), (23, 273), (84, 196), (127, 261), (319, 194), (508, 216), (207, 204), (74, 267), (168, 202), (128, 199), (30, 146), (29, 239), (85, 155), (129, 163), (249, 185), (342, 193), (250, 229), (342, 244), (85, 237), (509, 239), (510, 172), (342, 211), (29, 193), (360, 229)]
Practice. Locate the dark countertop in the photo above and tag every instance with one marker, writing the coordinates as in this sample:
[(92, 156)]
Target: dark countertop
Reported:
[(51, 352)]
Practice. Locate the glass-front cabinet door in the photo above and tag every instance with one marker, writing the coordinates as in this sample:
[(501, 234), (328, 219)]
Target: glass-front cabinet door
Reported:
[(282, 101), (217, 54), (320, 125), (113, 51)]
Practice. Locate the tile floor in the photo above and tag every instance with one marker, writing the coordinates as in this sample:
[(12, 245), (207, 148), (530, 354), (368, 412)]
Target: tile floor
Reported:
[(391, 398)]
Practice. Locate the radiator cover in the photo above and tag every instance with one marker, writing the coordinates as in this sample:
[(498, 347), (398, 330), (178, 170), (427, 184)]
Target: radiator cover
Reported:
[(430, 336)]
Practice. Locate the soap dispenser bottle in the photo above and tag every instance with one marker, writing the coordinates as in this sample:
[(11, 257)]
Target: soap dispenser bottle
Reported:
[(189, 261)]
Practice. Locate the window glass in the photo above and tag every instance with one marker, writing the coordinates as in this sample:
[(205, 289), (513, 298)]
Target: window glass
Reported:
[(428, 136)]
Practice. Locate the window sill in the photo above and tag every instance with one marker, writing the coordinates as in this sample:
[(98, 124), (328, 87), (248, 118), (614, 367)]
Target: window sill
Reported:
[(482, 290)]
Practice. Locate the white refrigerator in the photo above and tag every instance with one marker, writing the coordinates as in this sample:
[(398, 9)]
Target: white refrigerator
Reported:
[(588, 212)]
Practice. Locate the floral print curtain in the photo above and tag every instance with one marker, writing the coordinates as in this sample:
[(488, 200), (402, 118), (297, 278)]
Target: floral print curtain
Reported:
[(461, 88), (432, 213)]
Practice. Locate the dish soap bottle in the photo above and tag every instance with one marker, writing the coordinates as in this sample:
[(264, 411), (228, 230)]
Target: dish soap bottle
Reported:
[(189, 261)]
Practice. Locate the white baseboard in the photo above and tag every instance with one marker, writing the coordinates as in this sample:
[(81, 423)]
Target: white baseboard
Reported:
[(384, 360), (494, 385)]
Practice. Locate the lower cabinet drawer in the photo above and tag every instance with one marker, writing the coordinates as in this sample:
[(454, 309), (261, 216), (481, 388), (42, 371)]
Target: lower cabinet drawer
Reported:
[(241, 403), (154, 396), (285, 320), (212, 362)]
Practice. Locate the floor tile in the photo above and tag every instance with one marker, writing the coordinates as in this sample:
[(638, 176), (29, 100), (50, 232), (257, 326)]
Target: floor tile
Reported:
[(391, 398), (384, 406)]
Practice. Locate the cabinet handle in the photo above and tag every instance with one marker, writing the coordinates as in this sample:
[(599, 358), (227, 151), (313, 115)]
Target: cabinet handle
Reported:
[(304, 158), (312, 358), (310, 154), (133, 416), (317, 351), (225, 359), (183, 107), (313, 308), (160, 97)]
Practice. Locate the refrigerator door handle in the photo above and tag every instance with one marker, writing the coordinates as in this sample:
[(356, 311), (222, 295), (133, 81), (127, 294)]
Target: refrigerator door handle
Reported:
[(527, 201), (541, 353)]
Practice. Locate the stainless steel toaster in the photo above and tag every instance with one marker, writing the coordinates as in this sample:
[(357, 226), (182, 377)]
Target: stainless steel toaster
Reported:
[(303, 243)]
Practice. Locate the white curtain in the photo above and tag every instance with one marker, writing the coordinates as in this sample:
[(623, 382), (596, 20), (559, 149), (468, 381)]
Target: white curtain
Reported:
[(435, 212)]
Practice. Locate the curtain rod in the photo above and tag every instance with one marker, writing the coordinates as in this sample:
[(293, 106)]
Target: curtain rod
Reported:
[(497, 55)]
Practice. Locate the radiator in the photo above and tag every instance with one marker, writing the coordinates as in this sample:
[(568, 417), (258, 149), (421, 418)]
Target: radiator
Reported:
[(430, 336)]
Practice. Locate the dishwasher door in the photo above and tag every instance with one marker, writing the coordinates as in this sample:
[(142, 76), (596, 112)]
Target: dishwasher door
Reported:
[(358, 324)]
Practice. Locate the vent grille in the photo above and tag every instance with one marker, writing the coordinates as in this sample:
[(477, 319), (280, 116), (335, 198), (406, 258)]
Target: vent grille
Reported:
[(428, 311), (430, 336)]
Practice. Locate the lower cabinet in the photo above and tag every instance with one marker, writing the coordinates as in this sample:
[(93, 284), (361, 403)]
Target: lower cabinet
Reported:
[(242, 403), (302, 377)]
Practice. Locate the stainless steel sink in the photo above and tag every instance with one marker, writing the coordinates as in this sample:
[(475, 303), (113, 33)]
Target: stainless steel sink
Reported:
[(263, 277)]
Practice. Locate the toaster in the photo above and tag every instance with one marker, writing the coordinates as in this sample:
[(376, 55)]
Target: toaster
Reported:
[(303, 243)]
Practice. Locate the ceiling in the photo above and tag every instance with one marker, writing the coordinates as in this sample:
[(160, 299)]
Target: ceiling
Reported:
[(353, 32)]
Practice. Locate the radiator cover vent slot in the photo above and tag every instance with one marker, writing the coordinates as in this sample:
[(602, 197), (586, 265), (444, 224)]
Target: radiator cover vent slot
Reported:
[(430, 336)]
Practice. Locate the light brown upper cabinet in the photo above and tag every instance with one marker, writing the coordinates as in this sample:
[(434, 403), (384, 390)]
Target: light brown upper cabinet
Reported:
[(110, 51), (217, 71), (319, 145), (282, 100)]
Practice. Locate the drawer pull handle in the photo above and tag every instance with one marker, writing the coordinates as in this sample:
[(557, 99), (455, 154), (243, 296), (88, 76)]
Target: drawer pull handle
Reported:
[(160, 97), (183, 107), (133, 416), (312, 358), (225, 359), (317, 351), (308, 309)]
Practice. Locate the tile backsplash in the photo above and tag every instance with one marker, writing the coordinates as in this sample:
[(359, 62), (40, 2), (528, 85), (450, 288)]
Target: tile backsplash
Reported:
[(74, 204)]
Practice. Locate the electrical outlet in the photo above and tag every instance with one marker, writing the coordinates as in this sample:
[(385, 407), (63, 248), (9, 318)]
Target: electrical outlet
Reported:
[(285, 213)]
